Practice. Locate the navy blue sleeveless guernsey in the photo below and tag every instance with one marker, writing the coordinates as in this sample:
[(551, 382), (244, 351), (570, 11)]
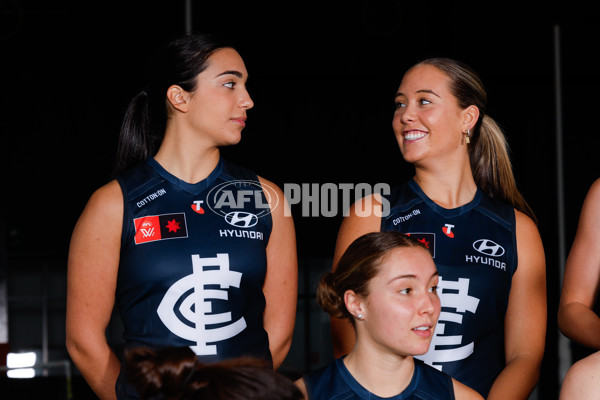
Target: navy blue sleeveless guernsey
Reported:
[(474, 249), (334, 382), (193, 262)]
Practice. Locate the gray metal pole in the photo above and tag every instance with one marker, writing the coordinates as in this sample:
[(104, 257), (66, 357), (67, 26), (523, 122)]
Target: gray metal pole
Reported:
[(188, 16), (564, 351)]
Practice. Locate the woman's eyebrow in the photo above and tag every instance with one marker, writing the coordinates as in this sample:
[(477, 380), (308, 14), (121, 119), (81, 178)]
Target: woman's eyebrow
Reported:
[(420, 91), (410, 276), (232, 72)]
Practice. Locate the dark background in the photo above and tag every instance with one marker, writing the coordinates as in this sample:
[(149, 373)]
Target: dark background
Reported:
[(322, 76)]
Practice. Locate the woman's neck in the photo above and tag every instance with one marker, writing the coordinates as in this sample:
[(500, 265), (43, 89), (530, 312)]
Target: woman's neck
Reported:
[(384, 375), (449, 188), (189, 160)]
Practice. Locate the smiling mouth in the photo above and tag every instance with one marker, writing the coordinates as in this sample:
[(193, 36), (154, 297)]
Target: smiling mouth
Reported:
[(414, 135), (422, 328), (424, 331)]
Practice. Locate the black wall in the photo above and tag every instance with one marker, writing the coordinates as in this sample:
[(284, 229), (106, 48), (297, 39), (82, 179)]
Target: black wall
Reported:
[(322, 76)]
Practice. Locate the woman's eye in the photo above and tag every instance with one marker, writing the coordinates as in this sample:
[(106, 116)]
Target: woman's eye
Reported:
[(400, 105), (230, 85), (433, 289), (405, 291), (424, 102)]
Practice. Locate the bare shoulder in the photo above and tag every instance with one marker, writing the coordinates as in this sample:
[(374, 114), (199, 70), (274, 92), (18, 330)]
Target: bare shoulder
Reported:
[(529, 241), (100, 222), (590, 363), (269, 185), (463, 392), (275, 196), (582, 379), (107, 199), (525, 225), (595, 188), (364, 216), (591, 204)]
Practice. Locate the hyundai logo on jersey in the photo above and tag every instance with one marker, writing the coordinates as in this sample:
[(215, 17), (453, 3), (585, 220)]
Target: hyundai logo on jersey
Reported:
[(488, 247), (241, 219)]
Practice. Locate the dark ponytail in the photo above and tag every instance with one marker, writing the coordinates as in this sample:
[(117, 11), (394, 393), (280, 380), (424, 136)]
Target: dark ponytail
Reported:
[(137, 141), (145, 120)]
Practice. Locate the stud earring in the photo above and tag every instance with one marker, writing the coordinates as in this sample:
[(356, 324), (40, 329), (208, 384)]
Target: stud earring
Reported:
[(360, 316)]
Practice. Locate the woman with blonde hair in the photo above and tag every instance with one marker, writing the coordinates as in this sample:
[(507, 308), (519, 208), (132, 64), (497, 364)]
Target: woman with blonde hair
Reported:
[(463, 203)]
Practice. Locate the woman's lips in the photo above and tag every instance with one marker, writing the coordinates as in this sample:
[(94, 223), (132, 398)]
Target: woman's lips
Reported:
[(414, 135)]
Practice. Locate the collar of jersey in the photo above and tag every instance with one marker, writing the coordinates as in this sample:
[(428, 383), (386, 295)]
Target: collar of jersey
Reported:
[(192, 188), (446, 212), (365, 394)]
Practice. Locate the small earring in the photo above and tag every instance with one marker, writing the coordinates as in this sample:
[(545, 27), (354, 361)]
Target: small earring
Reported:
[(468, 138), (360, 316)]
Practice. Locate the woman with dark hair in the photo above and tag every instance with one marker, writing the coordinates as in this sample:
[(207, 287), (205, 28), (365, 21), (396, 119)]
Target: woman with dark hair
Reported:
[(385, 285), (175, 373), (193, 249), (464, 204)]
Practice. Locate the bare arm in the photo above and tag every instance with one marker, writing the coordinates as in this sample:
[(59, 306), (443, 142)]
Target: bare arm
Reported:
[(576, 318), (463, 392), (525, 322), (364, 217), (91, 282), (281, 283), (582, 380)]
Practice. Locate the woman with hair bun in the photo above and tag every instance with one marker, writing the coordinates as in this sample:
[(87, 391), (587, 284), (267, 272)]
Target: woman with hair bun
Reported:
[(464, 204), (175, 373), (385, 285)]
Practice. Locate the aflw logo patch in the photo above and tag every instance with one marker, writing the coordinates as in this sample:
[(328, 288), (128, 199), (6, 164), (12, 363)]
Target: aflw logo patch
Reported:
[(159, 227)]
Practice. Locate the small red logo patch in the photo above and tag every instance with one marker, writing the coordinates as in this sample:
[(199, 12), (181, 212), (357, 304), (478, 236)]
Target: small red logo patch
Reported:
[(147, 229), (159, 227)]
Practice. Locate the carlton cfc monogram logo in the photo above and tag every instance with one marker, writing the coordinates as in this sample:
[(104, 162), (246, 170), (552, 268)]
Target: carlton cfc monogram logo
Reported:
[(190, 298)]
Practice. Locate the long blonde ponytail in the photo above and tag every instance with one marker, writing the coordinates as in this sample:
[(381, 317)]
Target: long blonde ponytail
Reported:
[(488, 150), (491, 166)]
